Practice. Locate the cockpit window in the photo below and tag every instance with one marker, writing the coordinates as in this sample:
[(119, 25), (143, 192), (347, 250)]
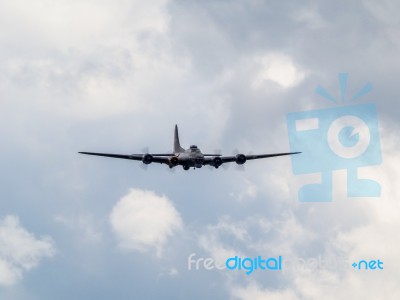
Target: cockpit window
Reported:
[(193, 148)]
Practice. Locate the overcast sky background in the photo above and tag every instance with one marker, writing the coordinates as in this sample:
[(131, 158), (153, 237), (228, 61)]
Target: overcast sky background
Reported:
[(116, 76)]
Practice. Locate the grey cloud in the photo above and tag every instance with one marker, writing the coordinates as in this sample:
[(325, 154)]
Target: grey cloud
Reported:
[(114, 81)]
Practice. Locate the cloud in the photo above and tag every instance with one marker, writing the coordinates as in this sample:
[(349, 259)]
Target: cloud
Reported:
[(347, 229), (78, 23), (20, 251), (280, 69), (212, 240), (255, 292), (97, 58), (88, 74), (255, 235), (245, 190), (83, 224), (143, 220)]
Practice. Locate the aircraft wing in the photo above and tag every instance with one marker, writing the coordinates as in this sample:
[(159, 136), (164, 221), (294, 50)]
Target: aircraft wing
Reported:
[(250, 157), (157, 158), (241, 158)]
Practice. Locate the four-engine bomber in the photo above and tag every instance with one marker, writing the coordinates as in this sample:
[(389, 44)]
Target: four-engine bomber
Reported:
[(188, 158)]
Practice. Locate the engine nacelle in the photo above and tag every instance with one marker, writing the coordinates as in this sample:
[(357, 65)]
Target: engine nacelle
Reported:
[(240, 159), (173, 161), (147, 159), (217, 161)]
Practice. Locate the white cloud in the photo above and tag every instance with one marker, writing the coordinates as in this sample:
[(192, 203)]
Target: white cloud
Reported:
[(278, 68), (143, 220), (65, 23), (83, 224), (255, 292), (211, 240), (245, 190), (9, 274), (310, 18), (19, 250), (96, 59), (350, 229), (254, 235), (88, 59)]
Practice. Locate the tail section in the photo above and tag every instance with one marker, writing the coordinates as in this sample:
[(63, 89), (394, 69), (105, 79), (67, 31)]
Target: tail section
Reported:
[(177, 145)]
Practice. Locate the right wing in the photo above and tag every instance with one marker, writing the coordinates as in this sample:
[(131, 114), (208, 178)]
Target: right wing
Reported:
[(250, 157), (241, 158)]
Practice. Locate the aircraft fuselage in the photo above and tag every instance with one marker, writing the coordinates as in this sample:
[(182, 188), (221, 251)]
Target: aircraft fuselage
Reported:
[(189, 158)]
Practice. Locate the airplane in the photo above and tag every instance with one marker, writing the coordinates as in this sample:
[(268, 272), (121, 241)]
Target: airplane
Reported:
[(188, 158)]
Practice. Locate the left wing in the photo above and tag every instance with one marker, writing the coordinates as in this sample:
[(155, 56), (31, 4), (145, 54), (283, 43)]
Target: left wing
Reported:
[(240, 158), (146, 158)]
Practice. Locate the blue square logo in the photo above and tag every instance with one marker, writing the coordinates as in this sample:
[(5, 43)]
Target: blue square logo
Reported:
[(343, 137)]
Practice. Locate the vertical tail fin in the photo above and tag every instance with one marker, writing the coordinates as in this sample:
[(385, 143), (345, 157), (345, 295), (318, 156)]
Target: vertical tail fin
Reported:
[(177, 146)]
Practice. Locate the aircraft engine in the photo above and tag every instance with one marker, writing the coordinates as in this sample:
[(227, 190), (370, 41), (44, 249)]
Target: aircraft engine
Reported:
[(147, 159), (217, 162), (173, 161), (240, 159)]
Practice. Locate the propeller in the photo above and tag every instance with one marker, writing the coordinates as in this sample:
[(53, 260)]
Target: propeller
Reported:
[(238, 167), (216, 152), (145, 150)]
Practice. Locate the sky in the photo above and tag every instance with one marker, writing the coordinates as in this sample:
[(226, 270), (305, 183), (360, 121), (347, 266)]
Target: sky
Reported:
[(116, 76)]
